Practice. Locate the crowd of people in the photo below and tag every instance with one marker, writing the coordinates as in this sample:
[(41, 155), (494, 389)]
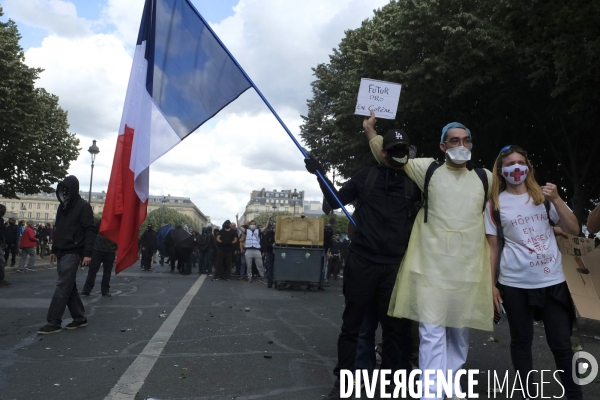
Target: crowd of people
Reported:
[(439, 248)]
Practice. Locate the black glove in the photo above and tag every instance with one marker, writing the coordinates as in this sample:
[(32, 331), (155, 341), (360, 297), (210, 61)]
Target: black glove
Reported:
[(312, 165)]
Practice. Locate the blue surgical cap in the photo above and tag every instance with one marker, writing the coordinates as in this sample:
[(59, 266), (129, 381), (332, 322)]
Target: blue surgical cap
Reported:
[(453, 125)]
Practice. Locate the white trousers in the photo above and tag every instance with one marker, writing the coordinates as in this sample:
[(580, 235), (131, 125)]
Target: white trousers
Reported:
[(441, 348), (253, 254)]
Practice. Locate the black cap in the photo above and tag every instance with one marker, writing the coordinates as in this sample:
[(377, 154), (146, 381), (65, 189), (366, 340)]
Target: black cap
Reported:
[(395, 137)]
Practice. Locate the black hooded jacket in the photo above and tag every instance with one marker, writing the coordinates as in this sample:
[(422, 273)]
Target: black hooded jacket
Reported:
[(74, 230), (383, 220), (148, 240)]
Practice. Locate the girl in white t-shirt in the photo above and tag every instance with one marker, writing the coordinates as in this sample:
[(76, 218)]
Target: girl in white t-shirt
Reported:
[(531, 284)]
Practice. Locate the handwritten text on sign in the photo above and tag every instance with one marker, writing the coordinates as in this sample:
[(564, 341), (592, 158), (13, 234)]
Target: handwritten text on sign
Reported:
[(379, 96)]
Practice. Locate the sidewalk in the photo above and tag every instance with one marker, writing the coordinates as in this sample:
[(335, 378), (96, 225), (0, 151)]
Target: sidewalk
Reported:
[(39, 264)]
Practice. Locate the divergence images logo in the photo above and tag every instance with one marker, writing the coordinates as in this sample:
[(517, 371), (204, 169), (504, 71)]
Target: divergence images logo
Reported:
[(584, 367)]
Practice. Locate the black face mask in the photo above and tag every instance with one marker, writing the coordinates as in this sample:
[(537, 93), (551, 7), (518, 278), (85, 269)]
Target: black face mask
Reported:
[(227, 226), (397, 156)]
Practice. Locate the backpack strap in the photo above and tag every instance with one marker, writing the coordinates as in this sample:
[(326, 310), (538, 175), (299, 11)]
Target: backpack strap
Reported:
[(432, 167), (484, 180), (499, 233)]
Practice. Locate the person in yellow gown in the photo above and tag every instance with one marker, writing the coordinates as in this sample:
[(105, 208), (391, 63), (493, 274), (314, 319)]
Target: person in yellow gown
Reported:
[(444, 281)]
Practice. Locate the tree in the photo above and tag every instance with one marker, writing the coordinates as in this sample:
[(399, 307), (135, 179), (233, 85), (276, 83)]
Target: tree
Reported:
[(263, 218), (164, 215), (36, 148), (515, 72), (341, 224)]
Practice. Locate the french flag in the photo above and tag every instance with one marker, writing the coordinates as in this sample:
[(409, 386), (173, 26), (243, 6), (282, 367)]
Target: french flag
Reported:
[(181, 77)]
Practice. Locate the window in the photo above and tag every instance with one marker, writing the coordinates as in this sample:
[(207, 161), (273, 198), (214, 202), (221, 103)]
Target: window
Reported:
[(46, 216), (255, 209), (39, 205), (53, 216), (30, 206), (28, 215), (21, 215), (287, 209), (37, 215), (47, 208), (56, 207)]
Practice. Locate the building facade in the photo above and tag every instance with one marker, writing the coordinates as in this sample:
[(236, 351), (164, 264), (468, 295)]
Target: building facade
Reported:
[(265, 201), (41, 207)]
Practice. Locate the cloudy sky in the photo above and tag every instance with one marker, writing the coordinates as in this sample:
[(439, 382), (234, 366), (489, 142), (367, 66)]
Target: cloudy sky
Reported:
[(86, 49)]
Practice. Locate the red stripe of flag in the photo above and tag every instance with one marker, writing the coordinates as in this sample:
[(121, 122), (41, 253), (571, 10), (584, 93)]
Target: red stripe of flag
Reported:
[(123, 212)]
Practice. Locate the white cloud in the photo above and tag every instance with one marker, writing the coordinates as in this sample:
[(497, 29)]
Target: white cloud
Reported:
[(243, 148), (89, 75), (56, 16)]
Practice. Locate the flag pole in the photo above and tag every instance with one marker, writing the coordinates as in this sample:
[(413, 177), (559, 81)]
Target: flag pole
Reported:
[(319, 173)]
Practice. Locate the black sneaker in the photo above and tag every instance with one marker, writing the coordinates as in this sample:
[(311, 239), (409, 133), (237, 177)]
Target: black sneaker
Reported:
[(4, 284), (75, 325), (335, 392), (84, 293), (48, 329), (106, 295)]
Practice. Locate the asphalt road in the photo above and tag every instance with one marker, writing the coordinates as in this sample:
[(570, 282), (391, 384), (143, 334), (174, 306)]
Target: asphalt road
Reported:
[(186, 337)]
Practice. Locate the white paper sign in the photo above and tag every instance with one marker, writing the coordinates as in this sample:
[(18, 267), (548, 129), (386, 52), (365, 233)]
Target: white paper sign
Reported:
[(379, 96)]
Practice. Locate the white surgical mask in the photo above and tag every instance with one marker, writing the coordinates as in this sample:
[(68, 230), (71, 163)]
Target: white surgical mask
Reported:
[(253, 227), (459, 155), (515, 174)]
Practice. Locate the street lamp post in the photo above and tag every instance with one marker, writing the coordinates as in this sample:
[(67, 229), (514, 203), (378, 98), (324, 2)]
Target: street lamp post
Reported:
[(295, 196), (93, 150), (164, 201)]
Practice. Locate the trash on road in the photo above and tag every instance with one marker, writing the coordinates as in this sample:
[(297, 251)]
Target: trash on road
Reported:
[(268, 356), (247, 309)]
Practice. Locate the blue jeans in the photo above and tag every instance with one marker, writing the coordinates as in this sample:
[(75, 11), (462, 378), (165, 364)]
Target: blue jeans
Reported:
[(365, 350), (65, 294), (24, 253), (242, 265), (269, 261)]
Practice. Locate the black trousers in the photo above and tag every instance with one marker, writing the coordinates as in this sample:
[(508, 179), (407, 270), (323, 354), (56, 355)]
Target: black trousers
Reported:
[(223, 267), (364, 282), (107, 259), (146, 259), (11, 248), (558, 323)]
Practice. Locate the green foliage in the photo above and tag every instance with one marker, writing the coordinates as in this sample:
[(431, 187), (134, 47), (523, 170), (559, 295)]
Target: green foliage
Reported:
[(36, 148), (514, 71), (166, 216), (262, 218), (341, 224), (97, 217)]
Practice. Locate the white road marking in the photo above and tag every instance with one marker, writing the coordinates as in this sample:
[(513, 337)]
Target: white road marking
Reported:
[(133, 379)]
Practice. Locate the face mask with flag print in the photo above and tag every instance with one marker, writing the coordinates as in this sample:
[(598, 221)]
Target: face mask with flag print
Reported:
[(515, 174)]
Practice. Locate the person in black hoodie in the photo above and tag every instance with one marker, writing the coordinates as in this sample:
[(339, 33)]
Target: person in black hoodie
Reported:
[(148, 246), (11, 236), (73, 244), (104, 253), (382, 215)]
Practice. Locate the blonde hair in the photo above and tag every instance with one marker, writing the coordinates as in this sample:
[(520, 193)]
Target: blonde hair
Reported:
[(499, 184)]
